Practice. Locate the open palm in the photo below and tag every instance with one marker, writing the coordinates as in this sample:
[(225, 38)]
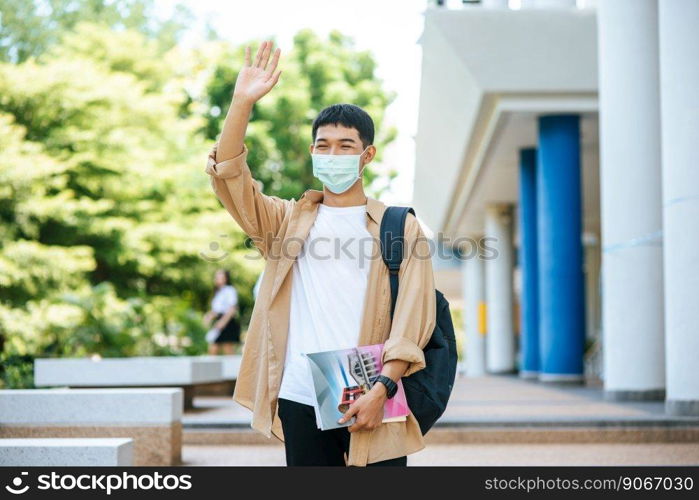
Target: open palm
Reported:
[(255, 80)]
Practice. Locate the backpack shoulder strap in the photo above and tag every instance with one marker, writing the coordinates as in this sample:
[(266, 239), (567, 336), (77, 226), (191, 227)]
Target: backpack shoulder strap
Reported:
[(392, 239)]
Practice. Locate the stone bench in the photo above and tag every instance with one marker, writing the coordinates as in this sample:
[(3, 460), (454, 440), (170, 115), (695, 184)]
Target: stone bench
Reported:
[(39, 452), (152, 417), (231, 366), (143, 371)]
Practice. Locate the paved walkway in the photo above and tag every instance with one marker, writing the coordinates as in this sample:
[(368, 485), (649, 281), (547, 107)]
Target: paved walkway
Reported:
[(475, 455), (491, 420), (488, 401)]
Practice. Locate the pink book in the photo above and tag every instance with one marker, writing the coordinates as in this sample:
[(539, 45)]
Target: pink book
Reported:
[(341, 376)]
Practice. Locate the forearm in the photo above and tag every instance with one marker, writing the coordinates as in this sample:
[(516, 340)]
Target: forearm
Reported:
[(394, 370), (259, 215), (233, 133)]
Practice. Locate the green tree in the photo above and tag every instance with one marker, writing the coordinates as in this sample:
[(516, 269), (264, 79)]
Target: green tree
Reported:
[(104, 214), (30, 27), (109, 230)]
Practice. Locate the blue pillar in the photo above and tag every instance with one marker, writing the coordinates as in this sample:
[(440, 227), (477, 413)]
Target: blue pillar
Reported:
[(529, 310), (559, 228)]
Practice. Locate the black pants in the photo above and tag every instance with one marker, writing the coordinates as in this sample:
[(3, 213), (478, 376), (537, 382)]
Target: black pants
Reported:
[(305, 444)]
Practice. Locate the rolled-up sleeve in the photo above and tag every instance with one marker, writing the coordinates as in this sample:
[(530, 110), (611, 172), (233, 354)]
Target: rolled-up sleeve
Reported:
[(258, 215), (414, 315)]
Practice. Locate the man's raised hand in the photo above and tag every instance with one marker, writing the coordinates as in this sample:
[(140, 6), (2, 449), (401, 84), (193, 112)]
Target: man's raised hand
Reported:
[(257, 77)]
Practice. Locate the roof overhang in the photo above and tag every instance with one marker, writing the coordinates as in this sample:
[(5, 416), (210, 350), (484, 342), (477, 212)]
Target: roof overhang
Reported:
[(486, 75)]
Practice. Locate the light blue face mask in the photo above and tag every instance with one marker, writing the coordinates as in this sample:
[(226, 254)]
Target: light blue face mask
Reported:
[(337, 172)]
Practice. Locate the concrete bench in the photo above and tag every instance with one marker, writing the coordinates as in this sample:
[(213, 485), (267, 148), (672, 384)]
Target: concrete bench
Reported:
[(144, 371), (33, 452), (151, 417), (231, 366)]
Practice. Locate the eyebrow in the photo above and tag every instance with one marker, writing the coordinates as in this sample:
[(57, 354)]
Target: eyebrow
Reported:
[(344, 139)]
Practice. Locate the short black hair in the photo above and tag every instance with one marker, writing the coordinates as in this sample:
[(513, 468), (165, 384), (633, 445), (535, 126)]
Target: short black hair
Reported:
[(350, 116)]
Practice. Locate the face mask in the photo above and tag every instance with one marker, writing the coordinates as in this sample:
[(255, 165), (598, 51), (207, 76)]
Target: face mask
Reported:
[(337, 172)]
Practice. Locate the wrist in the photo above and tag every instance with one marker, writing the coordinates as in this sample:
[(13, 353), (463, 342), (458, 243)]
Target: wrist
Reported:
[(242, 101), (389, 385), (380, 391)]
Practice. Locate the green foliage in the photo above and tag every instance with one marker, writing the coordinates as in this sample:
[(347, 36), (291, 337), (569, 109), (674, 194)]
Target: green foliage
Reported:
[(109, 230), (30, 27), (17, 371)]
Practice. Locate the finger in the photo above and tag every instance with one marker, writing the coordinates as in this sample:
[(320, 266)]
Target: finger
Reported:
[(247, 55), (259, 53), (351, 412), (356, 426), (348, 414), (275, 60), (275, 78), (265, 55)]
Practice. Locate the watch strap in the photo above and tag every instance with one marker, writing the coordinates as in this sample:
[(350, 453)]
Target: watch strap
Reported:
[(391, 386)]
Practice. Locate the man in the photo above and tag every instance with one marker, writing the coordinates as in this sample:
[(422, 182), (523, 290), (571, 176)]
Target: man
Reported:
[(315, 295)]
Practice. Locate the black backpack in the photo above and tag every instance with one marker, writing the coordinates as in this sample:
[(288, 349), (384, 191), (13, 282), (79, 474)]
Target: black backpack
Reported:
[(426, 390)]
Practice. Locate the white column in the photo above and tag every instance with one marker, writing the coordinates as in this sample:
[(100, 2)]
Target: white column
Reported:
[(548, 4), (679, 79), (498, 256), (495, 4), (630, 189), (474, 303)]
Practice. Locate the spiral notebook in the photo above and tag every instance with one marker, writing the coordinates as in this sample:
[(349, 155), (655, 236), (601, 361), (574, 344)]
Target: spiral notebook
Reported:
[(341, 376)]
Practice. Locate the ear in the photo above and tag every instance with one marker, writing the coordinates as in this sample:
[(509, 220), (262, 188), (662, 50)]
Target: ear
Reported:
[(310, 148)]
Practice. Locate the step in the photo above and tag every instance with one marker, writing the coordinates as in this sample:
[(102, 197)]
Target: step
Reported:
[(152, 417), (32, 452), (444, 434)]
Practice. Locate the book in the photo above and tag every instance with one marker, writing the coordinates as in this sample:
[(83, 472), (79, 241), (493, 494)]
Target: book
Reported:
[(341, 376)]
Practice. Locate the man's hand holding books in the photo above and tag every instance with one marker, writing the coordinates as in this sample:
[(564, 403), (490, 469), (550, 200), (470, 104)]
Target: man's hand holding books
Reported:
[(369, 410)]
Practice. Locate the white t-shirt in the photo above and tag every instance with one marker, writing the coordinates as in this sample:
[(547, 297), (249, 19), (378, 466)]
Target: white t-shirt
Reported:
[(256, 288), (225, 298), (327, 293)]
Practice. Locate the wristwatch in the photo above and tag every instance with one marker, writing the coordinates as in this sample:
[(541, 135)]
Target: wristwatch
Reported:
[(391, 386)]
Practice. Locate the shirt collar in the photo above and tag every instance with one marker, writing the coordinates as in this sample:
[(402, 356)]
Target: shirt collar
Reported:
[(374, 207)]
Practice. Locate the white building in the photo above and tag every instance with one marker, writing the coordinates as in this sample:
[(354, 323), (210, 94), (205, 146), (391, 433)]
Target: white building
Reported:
[(563, 138)]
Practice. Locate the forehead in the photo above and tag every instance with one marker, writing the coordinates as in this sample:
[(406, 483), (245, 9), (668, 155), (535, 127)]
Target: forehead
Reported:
[(336, 132)]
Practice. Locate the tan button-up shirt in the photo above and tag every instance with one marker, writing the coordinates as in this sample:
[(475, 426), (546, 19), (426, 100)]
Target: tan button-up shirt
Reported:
[(279, 228)]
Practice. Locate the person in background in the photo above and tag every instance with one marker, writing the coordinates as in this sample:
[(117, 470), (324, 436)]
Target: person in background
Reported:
[(223, 315)]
